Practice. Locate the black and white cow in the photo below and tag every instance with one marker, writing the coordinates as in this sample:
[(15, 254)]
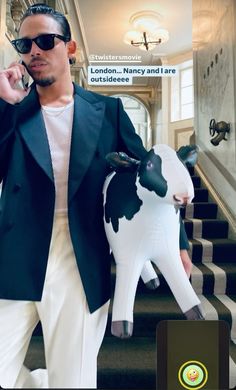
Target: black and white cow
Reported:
[(141, 218), (188, 154)]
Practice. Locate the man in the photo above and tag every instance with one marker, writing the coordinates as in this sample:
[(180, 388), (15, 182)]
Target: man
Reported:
[(54, 257)]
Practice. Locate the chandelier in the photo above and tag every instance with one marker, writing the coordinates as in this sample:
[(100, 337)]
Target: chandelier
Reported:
[(146, 33)]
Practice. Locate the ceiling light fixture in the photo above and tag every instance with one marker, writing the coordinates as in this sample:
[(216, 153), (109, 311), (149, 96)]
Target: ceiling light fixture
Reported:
[(146, 34)]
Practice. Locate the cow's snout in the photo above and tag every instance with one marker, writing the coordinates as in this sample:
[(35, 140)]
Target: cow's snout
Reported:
[(182, 199)]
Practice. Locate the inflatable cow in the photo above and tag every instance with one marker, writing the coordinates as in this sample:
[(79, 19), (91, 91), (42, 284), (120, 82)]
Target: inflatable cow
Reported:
[(188, 155), (142, 221)]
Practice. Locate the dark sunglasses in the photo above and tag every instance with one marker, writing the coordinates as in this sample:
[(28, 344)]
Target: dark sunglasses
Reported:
[(43, 41)]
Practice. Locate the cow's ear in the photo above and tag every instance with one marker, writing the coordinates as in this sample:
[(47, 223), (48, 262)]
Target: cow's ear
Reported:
[(121, 162)]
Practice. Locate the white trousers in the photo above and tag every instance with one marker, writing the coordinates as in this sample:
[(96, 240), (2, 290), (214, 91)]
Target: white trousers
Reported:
[(72, 336)]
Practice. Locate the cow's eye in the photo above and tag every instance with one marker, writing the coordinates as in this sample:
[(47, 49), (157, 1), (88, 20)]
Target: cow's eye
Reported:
[(149, 165)]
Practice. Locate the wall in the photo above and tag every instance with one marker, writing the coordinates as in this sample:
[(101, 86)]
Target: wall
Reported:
[(7, 28), (214, 73), (176, 133)]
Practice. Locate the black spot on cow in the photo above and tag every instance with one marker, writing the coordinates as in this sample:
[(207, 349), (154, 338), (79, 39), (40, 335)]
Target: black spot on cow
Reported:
[(121, 198), (150, 175)]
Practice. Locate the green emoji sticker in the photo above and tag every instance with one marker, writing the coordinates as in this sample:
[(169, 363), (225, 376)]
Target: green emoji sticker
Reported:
[(193, 375)]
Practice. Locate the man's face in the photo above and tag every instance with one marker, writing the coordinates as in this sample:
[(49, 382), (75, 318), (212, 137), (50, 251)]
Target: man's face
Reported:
[(44, 66)]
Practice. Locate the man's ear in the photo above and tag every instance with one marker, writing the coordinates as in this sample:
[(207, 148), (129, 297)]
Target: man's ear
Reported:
[(71, 49)]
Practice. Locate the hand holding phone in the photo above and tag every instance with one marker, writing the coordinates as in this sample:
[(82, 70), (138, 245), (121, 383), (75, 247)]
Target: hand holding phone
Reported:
[(9, 83)]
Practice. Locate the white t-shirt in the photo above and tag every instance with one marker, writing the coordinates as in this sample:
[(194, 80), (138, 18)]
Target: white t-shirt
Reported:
[(58, 122)]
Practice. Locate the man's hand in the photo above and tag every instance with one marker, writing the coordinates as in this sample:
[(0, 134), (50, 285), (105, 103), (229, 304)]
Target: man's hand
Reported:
[(187, 262), (9, 78)]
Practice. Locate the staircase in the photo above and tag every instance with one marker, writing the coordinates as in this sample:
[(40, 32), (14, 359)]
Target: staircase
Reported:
[(131, 363)]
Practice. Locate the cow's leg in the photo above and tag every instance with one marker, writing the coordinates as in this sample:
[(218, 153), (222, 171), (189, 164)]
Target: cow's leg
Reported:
[(194, 314), (167, 258), (173, 271), (122, 329), (127, 275), (149, 276)]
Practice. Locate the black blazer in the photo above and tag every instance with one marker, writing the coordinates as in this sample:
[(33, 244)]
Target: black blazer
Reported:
[(100, 125)]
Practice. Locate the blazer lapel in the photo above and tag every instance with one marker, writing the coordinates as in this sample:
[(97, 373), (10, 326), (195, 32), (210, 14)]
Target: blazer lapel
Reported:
[(87, 123), (88, 117), (33, 132)]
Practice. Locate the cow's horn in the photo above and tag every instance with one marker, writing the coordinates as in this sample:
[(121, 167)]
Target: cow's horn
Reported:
[(120, 161)]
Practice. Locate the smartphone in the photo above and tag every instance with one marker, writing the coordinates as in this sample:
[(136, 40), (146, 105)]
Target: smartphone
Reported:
[(25, 77)]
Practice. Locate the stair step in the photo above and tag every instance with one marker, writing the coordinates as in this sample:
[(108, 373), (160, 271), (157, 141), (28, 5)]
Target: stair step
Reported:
[(223, 250), (196, 181), (206, 228), (200, 210), (201, 195), (210, 278), (127, 364)]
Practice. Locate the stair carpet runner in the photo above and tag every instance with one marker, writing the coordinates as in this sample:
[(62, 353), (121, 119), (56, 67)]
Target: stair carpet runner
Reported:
[(131, 363)]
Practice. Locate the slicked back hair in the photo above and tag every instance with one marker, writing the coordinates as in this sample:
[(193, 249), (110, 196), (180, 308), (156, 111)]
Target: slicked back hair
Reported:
[(43, 9)]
